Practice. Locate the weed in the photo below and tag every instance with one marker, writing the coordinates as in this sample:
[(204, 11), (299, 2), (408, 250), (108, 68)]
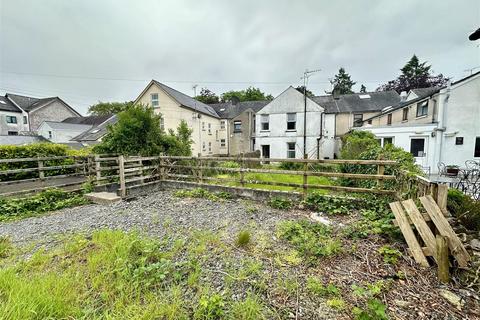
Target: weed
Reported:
[(202, 193), (336, 303), (310, 239), (315, 286), (372, 222), (210, 307), (374, 310), (249, 309), (389, 254), (329, 204), (280, 203), (47, 200), (5, 247), (243, 238)]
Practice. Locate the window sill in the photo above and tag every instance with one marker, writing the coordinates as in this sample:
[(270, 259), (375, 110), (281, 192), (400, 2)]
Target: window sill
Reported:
[(403, 121), (264, 131), (421, 117), (292, 130)]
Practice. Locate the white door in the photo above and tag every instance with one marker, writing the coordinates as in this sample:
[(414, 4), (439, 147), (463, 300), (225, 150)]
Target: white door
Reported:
[(418, 147)]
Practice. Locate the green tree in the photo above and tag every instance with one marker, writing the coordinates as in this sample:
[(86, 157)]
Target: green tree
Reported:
[(105, 108), (137, 132), (309, 93), (415, 75), (207, 96), (249, 94), (363, 89), (342, 82)]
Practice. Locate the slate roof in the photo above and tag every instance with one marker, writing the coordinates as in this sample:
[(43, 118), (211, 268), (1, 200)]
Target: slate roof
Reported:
[(90, 120), (21, 140), (29, 103), (228, 110), (188, 101), (350, 103), (425, 92), (7, 105), (67, 126), (95, 133)]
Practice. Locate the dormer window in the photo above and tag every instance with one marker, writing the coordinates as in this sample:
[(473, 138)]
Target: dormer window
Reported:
[(154, 100), (422, 108)]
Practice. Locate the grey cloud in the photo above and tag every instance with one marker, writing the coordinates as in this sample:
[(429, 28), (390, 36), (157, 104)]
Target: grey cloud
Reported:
[(192, 42)]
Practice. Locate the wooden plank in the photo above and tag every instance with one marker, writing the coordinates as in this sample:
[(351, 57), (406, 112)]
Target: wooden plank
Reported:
[(444, 228), (290, 172), (332, 161), (442, 193), (442, 259), (408, 234), (426, 252), (121, 173), (425, 216), (420, 224)]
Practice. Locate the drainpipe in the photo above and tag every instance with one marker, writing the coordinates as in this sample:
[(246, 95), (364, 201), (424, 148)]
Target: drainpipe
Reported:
[(320, 136)]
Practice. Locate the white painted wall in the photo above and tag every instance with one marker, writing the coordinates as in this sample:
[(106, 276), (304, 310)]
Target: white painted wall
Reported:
[(461, 118), (5, 127), (61, 135), (289, 101)]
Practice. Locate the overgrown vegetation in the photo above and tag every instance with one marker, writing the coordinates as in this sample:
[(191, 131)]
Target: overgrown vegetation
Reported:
[(363, 145), (330, 204), (202, 193), (464, 208), (280, 203), (243, 238), (47, 200), (35, 150), (312, 240), (138, 132)]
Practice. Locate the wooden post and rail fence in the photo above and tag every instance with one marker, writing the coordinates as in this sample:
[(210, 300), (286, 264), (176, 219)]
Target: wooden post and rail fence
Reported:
[(431, 236)]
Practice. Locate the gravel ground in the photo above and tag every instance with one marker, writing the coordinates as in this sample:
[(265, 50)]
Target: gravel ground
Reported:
[(149, 214)]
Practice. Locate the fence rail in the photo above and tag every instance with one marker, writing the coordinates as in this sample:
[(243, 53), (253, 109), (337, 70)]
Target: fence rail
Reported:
[(124, 173)]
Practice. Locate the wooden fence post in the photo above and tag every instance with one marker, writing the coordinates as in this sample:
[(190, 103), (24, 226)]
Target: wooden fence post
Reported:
[(242, 174), (162, 168), (41, 173), (121, 174), (442, 259), (200, 170), (380, 171), (441, 198), (98, 166)]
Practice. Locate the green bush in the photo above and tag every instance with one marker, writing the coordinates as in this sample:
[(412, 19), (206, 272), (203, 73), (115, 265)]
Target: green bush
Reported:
[(280, 203), (291, 166), (138, 132), (48, 200), (464, 208), (229, 164), (329, 204), (362, 145), (34, 150)]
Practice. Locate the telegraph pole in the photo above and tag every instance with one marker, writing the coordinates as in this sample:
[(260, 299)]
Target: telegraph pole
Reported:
[(305, 77)]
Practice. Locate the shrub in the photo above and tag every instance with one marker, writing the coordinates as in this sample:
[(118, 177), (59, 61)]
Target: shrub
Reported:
[(280, 203), (329, 204), (291, 166), (47, 200), (138, 132), (33, 151), (464, 208), (229, 164), (312, 240), (362, 145), (243, 238)]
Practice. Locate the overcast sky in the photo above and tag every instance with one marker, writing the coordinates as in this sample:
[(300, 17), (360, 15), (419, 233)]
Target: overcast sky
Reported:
[(90, 50)]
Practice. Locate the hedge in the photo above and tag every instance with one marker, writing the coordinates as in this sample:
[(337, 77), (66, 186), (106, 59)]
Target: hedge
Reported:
[(33, 151)]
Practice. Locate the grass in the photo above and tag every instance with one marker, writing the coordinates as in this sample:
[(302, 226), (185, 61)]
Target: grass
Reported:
[(283, 178)]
